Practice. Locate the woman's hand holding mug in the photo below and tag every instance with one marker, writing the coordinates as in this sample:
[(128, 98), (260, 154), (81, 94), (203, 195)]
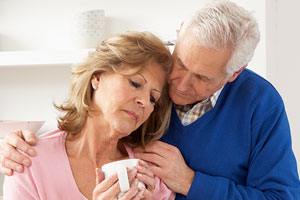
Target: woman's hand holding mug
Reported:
[(125, 180)]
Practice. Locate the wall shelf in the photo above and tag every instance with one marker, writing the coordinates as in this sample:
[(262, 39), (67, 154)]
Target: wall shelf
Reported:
[(38, 58)]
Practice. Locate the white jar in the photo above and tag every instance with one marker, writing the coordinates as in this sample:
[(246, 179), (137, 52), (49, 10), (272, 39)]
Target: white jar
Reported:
[(88, 29)]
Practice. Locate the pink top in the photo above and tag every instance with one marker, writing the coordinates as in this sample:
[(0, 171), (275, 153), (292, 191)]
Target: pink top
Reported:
[(50, 176)]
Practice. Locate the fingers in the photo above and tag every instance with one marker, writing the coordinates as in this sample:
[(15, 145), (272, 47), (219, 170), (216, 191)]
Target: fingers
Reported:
[(110, 193), (106, 183), (152, 158), (99, 176), (131, 192), (146, 176), (6, 171), (107, 188), (28, 136), (110, 188), (12, 159), (15, 140), (140, 194), (158, 171), (147, 194), (11, 153), (157, 147), (159, 153), (143, 168), (131, 174), (6, 163)]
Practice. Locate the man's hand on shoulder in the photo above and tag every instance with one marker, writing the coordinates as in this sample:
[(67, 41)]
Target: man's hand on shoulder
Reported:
[(12, 160), (169, 165)]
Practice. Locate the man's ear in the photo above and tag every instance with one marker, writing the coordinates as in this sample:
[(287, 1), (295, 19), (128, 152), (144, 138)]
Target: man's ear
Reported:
[(180, 29), (236, 74)]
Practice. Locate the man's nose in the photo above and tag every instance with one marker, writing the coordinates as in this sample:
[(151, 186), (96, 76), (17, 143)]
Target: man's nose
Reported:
[(185, 82)]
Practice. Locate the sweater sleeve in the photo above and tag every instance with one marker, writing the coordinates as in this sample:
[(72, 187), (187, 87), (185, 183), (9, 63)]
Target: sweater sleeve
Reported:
[(272, 168), (20, 186)]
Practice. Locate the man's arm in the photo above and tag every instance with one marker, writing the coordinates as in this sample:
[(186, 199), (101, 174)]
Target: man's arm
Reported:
[(12, 160), (272, 170)]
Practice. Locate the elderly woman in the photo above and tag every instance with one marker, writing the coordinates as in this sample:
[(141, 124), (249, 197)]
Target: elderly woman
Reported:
[(118, 100)]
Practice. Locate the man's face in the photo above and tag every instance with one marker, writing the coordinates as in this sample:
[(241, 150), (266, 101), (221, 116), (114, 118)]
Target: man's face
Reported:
[(197, 72)]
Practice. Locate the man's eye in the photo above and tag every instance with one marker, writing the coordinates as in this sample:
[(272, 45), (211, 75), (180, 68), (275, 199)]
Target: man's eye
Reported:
[(181, 66), (135, 84), (202, 78), (152, 99)]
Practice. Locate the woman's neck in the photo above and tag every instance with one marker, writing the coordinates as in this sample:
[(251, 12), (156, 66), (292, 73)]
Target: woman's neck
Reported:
[(97, 142)]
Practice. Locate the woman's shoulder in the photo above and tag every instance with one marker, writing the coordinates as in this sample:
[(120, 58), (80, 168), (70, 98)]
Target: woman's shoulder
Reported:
[(50, 144), (50, 147), (49, 169), (52, 135)]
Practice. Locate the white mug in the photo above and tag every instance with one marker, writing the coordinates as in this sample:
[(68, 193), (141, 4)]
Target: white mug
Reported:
[(120, 168)]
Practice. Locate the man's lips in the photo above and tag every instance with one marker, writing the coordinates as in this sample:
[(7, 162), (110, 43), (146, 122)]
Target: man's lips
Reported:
[(180, 93), (132, 114)]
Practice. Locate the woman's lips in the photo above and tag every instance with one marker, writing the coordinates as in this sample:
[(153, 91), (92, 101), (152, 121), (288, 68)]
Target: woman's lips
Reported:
[(132, 114)]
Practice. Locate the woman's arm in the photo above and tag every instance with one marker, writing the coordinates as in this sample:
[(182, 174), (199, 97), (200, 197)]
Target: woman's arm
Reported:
[(20, 186)]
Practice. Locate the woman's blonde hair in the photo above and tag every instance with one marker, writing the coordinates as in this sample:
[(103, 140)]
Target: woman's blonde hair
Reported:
[(134, 49)]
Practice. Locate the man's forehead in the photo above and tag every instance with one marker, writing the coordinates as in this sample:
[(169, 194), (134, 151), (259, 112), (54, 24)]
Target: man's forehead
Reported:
[(192, 54)]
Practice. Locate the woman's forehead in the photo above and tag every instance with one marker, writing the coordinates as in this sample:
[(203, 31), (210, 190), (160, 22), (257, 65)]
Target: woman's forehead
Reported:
[(129, 69)]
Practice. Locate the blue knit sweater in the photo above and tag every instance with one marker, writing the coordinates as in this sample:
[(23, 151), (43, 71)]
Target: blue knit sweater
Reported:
[(240, 149)]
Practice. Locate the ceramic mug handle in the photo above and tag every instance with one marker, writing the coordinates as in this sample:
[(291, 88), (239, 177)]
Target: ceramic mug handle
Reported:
[(123, 178)]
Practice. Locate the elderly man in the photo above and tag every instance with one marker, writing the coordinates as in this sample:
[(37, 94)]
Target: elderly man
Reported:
[(229, 135)]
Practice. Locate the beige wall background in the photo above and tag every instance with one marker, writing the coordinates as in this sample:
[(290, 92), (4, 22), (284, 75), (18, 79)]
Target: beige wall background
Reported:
[(283, 68)]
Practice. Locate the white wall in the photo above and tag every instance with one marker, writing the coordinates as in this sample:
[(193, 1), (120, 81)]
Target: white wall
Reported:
[(41, 24), (34, 24), (45, 25), (283, 68)]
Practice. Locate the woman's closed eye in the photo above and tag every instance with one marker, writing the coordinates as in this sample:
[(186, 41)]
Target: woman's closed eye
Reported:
[(152, 99), (134, 84), (138, 85)]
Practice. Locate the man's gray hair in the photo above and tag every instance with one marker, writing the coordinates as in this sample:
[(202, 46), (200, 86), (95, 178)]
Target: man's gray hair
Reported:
[(222, 24)]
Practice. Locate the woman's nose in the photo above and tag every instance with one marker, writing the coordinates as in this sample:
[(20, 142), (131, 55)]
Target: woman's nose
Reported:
[(142, 100)]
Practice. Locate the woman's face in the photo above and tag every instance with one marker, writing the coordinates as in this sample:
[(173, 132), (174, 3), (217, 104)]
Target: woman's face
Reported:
[(126, 101)]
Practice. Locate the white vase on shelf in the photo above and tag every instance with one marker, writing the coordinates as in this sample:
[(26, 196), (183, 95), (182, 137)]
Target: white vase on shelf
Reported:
[(88, 28)]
